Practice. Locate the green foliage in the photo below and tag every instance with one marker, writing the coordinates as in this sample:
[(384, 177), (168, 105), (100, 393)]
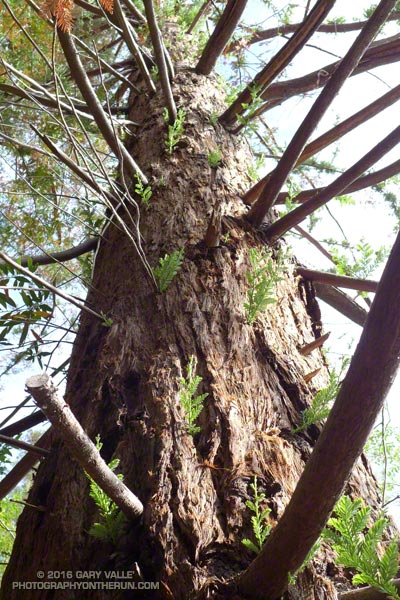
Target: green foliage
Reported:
[(383, 449), (253, 170), (359, 546), (167, 268), (10, 509), (111, 520), (261, 529), (321, 404), (192, 404), (175, 131), (249, 109), (23, 305), (262, 278), (214, 158), (5, 458), (364, 260), (144, 193)]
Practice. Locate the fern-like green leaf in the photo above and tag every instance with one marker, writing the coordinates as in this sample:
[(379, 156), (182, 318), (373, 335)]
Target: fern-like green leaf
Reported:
[(167, 268)]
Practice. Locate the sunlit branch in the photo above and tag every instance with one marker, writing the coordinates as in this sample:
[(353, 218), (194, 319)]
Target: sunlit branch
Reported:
[(281, 30), (296, 146), (379, 53), (90, 97), (368, 593), (21, 445), (314, 242), (7, 259), (129, 37), (336, 188), (359, 184), (159, 53), (280, 60), (341, 281), (221, 35)]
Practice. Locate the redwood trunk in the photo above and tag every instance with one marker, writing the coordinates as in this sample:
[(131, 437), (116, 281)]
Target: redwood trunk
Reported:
[(123, 384)]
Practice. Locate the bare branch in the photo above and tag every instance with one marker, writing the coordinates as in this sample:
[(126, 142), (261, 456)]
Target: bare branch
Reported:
[(24, 424), (337, 187), (324, 100), (379, 53), (280, 60), (45, 394), (268, 34), (220, 36), (202, 11), (159, 53), (341, 281), (308, 348), (61, 256), (361, 396)]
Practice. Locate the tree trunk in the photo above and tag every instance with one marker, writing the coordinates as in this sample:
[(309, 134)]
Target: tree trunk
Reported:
[(123, 384)]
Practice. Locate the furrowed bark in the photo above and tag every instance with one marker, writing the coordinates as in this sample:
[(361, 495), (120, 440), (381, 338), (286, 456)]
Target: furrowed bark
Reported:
[(336, 188), (280, 60), (360, 399), (293, 151), (220, 36)]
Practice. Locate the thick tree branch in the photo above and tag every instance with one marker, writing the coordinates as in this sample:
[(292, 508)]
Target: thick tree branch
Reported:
[(280, 60), (359, 184), (336, 188), (361, 396), (341, 302), (159, 53), (324, 100), (23, 424), (45, 394), (342, 281), (220, 36), (102, 120), (380, 53)]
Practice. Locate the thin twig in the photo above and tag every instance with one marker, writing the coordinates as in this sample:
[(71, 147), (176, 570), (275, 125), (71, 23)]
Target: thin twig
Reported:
[(9, 441)]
